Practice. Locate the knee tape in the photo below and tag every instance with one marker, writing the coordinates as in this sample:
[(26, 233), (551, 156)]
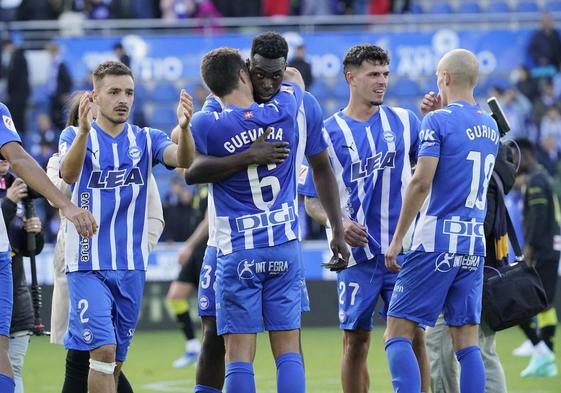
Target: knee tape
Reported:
[(102, 367), (547, 318)]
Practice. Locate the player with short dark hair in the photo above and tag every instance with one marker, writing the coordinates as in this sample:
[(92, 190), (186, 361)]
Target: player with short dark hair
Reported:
[(281, 289), (108, 164), (373, 148), (444, 270), (267, 66)]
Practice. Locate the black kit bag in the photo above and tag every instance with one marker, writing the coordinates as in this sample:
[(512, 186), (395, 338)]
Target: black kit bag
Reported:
[(511, 293)]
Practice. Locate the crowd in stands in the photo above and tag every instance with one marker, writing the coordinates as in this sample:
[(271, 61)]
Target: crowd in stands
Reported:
[(180, 9)]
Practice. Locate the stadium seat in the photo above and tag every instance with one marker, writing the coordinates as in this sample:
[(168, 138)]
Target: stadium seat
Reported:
[(405, 88), (469, 8), (440, 8), (553, 6), (527, 6), (498, 7), (164, 92)]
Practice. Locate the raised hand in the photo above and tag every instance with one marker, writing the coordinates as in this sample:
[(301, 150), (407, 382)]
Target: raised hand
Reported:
[(83, 113), (265, 153), (431, 102), (184, 109)]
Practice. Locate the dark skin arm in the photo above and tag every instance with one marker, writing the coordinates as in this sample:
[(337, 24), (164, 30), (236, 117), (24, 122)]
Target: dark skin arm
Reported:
[(326, 186), (211, 169)]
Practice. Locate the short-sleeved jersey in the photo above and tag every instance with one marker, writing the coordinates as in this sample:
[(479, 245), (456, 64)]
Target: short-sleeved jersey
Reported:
[(465, 140), (255, 207), (113, 186), (372, 162), (8, 134)]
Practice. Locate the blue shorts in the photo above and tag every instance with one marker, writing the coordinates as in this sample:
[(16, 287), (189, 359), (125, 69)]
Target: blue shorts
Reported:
[(259, 289), (6, 293), (207, 286), (104, 308), (433, 282), (359, 288)]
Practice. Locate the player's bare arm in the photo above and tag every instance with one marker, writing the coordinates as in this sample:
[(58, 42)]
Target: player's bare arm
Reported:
[(181, 155), (34, 176), (415, 195), (211, 169), (326, 186), (291, 74), (71, 166)]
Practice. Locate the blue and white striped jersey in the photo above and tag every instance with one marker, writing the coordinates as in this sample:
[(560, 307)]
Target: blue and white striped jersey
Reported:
[(256, 207), (372, 163), (113, 186), (466, 141), (8, 134)]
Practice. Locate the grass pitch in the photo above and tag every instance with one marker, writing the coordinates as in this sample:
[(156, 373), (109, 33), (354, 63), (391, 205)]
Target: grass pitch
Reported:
[(149, 364)]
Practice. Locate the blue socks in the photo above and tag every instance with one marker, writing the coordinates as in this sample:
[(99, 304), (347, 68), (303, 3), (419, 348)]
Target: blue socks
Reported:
[(206, 389), (472, 370), (7, 384), (290, 373), (239, 378), (406, 377)]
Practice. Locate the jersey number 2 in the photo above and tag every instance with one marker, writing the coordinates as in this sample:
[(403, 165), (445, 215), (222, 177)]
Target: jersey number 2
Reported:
[(478, 193)]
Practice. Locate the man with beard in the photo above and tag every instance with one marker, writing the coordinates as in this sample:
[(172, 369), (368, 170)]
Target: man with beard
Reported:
[(108, 164)]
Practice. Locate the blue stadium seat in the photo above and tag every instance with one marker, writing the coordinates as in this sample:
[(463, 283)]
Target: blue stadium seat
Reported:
[(440, 8), (527, 6), (553, 6), (469, 8), (405, 88), (498, 7), (164, 92)]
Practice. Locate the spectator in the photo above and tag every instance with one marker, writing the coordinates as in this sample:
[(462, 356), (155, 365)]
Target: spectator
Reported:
[(551, 126), (181, 9), (379, 7), (526, 84), (545, 44), (12, 192), (16, 73), (59, 85), (546, 101), (315, 7), (229, 8), (122, 56), (301, 64), (45, 135), (517, 109), (276, 7), (40, 9), (9, 10), (178, 205)]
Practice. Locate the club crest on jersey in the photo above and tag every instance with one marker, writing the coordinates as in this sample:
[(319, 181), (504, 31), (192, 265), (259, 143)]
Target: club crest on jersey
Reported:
[(365, 168), (107, 179), (87, 336), (389, 136), (245, 271), (9, 123), (248, 115), (134, 153)]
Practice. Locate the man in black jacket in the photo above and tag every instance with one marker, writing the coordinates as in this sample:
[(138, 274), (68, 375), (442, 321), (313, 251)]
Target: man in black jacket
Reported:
[(59, 86), (541, 219), (14, 69), (12, 191)]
